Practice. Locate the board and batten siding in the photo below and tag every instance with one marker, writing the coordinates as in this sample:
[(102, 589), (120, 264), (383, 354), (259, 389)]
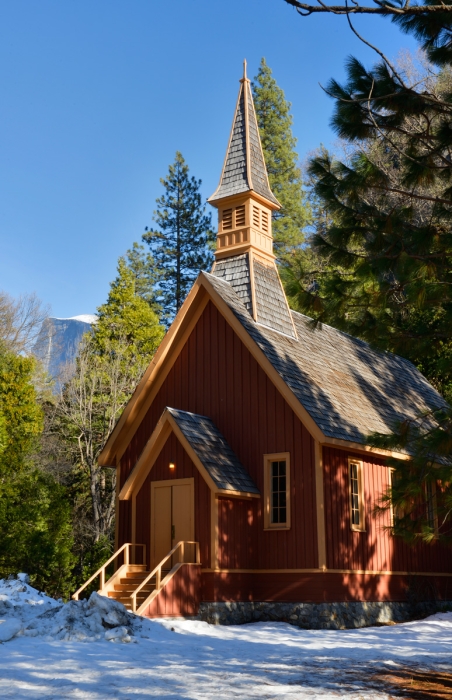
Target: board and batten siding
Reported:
[(216, 376), (375, 549), (173, 451)]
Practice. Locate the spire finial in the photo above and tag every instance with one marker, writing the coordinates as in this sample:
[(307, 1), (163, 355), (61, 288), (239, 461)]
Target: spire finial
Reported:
[(244, 69)]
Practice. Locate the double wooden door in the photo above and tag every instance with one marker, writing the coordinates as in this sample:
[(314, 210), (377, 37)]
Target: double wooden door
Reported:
[(172, 510)]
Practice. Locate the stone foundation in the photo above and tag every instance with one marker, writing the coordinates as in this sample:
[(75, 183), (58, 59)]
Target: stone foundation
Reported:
[(331, 616)]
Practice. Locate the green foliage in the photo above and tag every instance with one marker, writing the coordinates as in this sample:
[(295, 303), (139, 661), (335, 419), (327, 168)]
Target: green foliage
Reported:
[(110, 363), (36, 531), (22, 416), (35, 526), (180, 245), (126, 318), (142, 264), (278, 143), (386, 252)]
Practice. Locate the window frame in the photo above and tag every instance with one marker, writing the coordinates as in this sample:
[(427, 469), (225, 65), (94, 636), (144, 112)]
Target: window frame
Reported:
[(361, 527), (433, 521), (268, 459)]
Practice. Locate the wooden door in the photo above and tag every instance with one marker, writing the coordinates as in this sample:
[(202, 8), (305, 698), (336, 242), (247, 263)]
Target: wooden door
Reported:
[(172, 504), (162, 522)]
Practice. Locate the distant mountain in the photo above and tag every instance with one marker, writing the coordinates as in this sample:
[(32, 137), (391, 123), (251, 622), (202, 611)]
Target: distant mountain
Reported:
[(58, 341)]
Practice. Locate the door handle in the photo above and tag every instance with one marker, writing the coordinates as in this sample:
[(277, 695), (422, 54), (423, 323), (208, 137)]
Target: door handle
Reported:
[(173, 532)]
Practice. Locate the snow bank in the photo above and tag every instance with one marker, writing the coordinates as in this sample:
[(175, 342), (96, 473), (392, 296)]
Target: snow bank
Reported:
[(25, 611)]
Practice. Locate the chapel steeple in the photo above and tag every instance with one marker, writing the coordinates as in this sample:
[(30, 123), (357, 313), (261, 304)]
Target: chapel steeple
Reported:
[(244, 256), (243, 197)]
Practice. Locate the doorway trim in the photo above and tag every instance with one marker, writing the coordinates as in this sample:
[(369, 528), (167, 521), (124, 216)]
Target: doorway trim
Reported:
[(190, 481)]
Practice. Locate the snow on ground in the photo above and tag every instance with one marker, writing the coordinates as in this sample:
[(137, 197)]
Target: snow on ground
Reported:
[(63, 651)]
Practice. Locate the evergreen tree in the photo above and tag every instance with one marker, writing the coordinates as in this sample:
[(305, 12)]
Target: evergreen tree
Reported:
[(180, 244), (275, 125), (35, 524), (389, 249), (126, 318), (110, 363), (142, 264)]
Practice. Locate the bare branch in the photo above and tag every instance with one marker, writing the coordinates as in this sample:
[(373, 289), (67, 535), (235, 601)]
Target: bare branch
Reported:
[(383, 9)]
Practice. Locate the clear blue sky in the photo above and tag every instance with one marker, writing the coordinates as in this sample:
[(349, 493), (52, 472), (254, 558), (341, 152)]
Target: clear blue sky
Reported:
[(97, 95)]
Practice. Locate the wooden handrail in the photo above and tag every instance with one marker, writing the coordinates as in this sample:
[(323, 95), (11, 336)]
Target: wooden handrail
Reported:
[(101, 572), (157, 571)]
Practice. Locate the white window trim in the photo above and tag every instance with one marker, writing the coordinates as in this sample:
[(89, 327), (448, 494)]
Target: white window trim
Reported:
[(277, 456), (361, 527)]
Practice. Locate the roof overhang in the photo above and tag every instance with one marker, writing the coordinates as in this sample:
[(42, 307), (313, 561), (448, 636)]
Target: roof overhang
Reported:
[(165, 426)]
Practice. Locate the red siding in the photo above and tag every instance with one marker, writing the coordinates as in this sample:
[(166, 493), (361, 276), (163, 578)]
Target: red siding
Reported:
[(180, 596), (215, 375), (321, 588), (375, 549), (173, 450)]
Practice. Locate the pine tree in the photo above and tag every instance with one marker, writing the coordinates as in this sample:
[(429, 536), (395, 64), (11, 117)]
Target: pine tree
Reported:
[(180, 244), (35, 523), (142, 265), (275, 125), (389, 251), (126, 318)]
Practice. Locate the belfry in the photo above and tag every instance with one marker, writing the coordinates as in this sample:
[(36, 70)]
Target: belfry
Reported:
[(245, 202)]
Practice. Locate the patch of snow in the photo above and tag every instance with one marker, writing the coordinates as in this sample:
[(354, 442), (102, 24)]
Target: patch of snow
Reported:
[(85, 318), (125, 656), (9, 628)]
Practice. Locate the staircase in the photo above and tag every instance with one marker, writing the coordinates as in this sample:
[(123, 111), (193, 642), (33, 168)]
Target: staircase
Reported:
[(132, 584), (128, 584)]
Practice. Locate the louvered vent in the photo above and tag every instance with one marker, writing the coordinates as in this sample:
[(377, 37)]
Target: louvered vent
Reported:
[(227, 219), (256, 218), (240, 216), (265, 221)]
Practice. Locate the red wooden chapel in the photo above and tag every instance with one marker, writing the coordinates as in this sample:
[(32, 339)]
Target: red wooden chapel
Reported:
[(242, 470)]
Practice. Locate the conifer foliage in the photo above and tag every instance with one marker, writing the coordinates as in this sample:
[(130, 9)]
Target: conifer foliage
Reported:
[(35, 524), (180, 243), (278, 143), (389, 248)]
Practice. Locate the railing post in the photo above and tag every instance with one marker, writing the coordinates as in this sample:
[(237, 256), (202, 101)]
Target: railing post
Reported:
[(182, 552), (198, 554), (126, 555), (158, 578)]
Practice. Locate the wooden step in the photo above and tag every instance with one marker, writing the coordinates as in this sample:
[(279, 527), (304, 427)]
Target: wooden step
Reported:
[(129, 588)]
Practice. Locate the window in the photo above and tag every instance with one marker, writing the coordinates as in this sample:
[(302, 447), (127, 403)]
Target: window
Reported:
[(430, 504), (277, 491), (355, 471)]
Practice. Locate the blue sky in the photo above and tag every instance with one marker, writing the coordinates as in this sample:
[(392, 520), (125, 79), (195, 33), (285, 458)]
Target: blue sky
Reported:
[(96, 96)]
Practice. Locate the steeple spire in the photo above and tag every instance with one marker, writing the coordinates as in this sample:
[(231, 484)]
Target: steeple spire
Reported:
[(244, 166)]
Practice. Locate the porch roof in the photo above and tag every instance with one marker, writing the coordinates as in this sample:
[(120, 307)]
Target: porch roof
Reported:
[(214, 452)]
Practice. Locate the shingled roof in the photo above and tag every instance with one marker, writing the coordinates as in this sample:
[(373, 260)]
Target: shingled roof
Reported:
[(244, 166), (349, 389), (214, 452)]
